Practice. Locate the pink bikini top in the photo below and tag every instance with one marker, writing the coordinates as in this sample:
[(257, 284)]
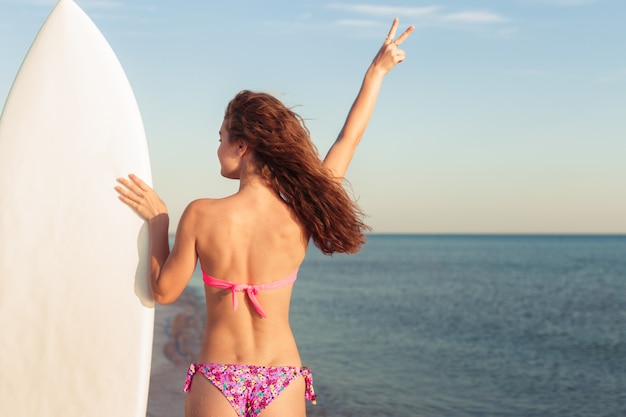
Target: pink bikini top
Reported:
[(251, 290)]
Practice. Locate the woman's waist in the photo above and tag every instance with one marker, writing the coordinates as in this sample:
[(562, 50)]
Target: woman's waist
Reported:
[(244, 346)]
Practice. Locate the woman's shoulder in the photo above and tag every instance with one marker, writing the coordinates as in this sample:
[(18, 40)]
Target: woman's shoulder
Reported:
[(204, 209), (204, 204), (198, 209)]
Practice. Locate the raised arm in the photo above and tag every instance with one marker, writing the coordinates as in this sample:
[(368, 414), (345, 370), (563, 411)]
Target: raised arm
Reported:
[(341, 152)]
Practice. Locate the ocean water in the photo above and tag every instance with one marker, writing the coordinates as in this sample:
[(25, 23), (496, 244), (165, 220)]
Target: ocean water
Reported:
[(455, 326)]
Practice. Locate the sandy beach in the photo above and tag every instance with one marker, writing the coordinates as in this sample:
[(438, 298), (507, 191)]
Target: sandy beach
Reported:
[(177, 339)]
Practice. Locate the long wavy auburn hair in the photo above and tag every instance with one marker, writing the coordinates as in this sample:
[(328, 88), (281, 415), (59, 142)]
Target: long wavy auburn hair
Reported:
[(289, 162)]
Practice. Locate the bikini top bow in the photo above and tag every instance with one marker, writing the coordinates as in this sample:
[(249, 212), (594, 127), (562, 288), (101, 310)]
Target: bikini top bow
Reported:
[(251, 290)]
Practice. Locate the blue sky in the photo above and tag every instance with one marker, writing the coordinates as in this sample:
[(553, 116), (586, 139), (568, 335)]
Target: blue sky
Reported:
[(508, 116)]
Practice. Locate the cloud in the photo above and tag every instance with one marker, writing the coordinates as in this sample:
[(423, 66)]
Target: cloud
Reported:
[(567, 3), (48, 3), (93, 4), (609, 77), (433, 13), (358, 23), (474, 17), (100, 4), (376, 10), (532, 72)]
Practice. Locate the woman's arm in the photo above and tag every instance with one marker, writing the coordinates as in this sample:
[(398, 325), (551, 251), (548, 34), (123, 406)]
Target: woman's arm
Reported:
[(169, 271), (341, 152)]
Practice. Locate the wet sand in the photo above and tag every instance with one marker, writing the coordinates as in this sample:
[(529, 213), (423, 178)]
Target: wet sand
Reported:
[(177, 339)]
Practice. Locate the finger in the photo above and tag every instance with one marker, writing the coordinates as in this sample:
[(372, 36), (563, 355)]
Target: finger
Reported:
[(123, 195), (124, 182), (136, 185), (130, 203), (129, 190), (126, 195), (129, 186), (392, 31), (404, 35), (400, 56), (142, 185)]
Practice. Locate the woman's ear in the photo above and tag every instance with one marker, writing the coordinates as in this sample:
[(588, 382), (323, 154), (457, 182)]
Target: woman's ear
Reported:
[(242, 148)]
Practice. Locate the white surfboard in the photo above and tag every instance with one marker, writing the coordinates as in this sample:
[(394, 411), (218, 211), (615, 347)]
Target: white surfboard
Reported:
[(76, 315)]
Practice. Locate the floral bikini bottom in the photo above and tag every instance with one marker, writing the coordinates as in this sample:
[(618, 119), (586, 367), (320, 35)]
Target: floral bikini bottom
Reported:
[(248, 388)]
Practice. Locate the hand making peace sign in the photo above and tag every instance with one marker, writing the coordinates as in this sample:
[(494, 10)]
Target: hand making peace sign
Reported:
[(390, 54)]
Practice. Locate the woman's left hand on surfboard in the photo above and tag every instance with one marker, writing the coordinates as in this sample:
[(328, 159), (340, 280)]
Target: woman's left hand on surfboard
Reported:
[(141, 197)]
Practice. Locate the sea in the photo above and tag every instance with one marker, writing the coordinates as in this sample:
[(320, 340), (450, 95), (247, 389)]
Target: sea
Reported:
[(465, 326)]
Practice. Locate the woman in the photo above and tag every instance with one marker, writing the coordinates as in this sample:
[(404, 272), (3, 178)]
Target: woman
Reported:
[(249, 363)]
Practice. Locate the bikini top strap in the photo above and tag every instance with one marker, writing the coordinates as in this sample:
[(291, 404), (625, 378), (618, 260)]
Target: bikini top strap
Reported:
[(251, 290)]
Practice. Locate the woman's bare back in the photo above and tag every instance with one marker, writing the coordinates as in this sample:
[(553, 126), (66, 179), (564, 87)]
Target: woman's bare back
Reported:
[(249, 238)]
